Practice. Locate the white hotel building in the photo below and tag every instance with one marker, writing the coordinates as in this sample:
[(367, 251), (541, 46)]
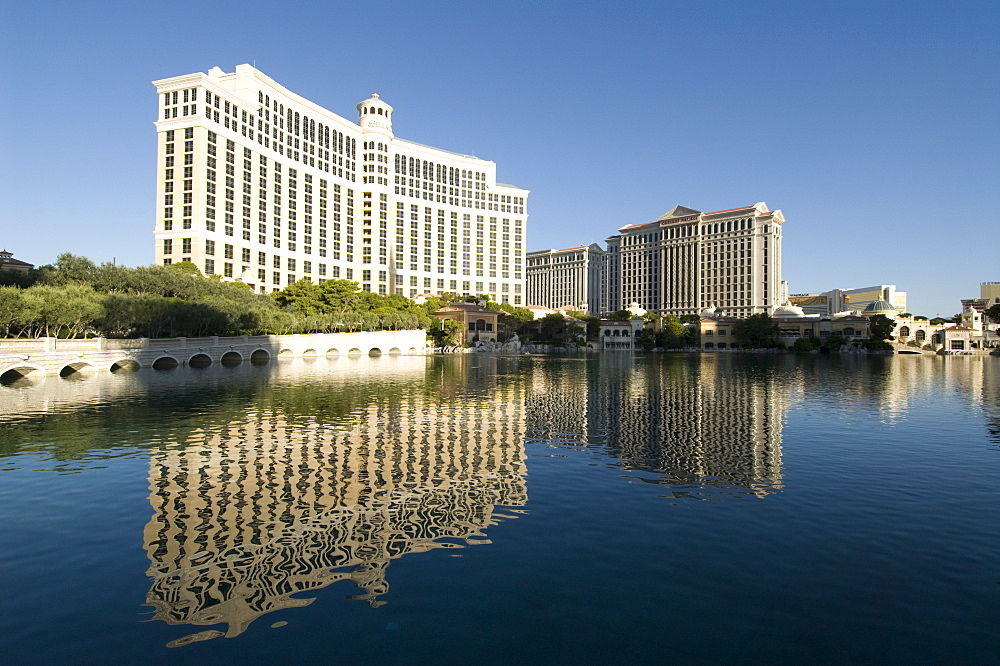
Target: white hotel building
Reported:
[(259, 184)]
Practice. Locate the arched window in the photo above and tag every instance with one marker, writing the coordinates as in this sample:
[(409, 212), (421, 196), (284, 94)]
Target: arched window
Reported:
[(848, 332), (936, 338), (921, 335), (380, 111), (607, 333), (904, 332)]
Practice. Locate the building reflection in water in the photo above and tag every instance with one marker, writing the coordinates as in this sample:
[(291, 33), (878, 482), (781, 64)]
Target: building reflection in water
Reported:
[(700, 425), (249, 512)]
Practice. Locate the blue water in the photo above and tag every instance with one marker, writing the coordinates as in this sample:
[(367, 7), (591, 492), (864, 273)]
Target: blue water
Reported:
[(660, 509)]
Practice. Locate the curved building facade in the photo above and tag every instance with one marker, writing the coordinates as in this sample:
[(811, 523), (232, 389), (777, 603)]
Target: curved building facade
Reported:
[(259, 184)]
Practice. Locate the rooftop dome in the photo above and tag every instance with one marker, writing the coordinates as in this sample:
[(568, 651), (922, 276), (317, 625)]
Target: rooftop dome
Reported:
[(788, 310), (710, 311), (880, 308)]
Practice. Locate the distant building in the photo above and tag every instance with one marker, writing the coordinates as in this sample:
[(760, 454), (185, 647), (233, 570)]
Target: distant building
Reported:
[(688, 259), (989, 295), (9, 263), (849, 300), (570, 278)]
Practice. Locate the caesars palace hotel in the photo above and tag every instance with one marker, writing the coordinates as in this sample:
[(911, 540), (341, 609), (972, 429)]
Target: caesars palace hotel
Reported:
[(258, 184)]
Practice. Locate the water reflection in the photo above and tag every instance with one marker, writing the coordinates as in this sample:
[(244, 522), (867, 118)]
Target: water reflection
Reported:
[(286, 497), (702, 426), (267, 482)]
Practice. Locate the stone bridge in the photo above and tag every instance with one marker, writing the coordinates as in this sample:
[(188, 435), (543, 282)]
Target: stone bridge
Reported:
[(52, 356)]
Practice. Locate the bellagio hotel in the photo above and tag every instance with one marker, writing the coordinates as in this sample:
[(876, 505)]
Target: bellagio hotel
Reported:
[(258, 184)]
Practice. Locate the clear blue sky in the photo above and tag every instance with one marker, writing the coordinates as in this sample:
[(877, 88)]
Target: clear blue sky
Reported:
[(872, 125)]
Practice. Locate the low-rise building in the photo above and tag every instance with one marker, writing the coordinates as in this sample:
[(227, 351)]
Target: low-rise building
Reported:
[(479, 323), (9, 263), (620, 335)]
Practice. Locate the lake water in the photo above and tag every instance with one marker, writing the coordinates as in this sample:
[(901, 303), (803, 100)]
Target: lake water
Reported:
[(666, 508)]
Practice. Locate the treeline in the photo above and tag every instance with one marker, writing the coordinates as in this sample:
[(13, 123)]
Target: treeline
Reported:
[(77, 298)]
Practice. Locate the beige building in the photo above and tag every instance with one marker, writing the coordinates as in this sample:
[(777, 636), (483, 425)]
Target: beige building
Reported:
[(259, 184), (9, 263), (620, 335), (569, 279), (688, 259), (478, 323)]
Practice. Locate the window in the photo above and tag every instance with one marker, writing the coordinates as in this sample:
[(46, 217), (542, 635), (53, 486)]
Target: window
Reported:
[(168, 246)]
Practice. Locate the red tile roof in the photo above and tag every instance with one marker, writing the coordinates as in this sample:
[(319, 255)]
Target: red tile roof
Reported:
[(728, 210)]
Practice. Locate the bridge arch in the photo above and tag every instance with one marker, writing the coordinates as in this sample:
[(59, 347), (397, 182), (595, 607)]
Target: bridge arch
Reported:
[(332, 352), (124, 365), (165, 363), (77, 367), (285, 354), (395, 351), (309, 353), (231, 359), (260, 357), (354, 351), (19, 371), (374, 351), (413, 350), (200, 360)]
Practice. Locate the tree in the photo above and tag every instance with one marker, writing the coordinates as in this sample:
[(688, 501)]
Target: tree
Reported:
[(806, 344), (673, 334), (993, 313), (186, 267), (756, 331), (447, 332), (618, 315), (880, 328)]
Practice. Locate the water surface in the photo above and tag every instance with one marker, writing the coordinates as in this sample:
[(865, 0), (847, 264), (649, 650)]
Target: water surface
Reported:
[(661, 508)]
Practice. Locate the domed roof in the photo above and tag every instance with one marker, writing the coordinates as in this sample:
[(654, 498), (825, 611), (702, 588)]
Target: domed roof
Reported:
[(788, 310), (880, 307), (710, 311)]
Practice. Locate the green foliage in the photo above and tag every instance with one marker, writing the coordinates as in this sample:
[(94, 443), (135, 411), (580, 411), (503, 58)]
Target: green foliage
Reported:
[(9, 278), (880, 327), (878, 345), (690, 319), (446, 333), (673, 334), (619, 315), (646, 339), (835, 341), (757, 331), (75, 297), (186, 267), (993, 313), (938, 321), (806, 344)]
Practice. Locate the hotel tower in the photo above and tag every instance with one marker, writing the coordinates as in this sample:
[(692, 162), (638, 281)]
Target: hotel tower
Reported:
[(258, 184)]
